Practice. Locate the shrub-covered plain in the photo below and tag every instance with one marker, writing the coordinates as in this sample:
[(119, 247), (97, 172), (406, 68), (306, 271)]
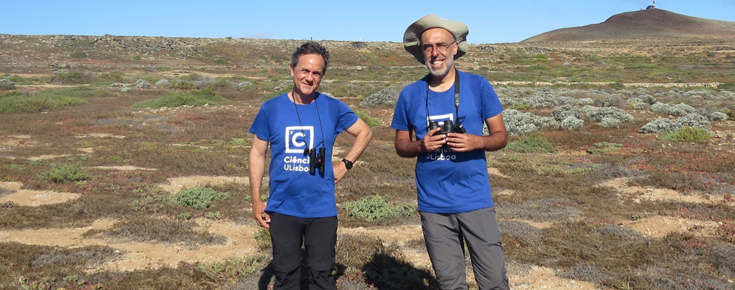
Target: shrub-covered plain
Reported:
[(591, 148)]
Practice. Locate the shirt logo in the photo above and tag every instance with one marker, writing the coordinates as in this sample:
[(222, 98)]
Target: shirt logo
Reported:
[(299, 138)]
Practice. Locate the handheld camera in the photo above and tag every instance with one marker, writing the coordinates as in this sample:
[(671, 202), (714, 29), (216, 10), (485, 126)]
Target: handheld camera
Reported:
[(447, 127), (316, 160)]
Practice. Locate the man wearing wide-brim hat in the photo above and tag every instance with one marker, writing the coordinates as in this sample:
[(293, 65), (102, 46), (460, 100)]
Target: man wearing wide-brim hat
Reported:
[(445, 111)]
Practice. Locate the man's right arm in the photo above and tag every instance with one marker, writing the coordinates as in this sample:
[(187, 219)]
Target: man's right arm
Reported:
[(407, 147), (256, 169)]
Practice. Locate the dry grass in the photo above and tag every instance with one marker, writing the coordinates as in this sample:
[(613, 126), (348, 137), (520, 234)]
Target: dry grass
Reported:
[(158, 230)]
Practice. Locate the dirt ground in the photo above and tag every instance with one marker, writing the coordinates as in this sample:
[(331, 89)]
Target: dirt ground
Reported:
[(241, 241)]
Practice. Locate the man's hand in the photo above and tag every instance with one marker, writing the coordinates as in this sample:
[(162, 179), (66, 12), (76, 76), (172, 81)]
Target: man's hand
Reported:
[(261, 217), (340, 170), (433, 141), (498, 138), (463, 142)]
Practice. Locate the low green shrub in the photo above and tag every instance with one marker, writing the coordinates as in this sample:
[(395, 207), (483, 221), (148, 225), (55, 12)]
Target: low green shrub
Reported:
[(686, 134), (218, 83), (726, 86), (657, 126), (78, 54), (116, 76), (610, 112), (61, 173), (26, 103), (376, 207), (538, 67), (184, 216), (533, 143), (604, 147), (661, 108), (564, 111), (171, 100), (691, 120), (72, 78), (609, 122), (197, 197), (526, 123), (370, 121), (16, 79), (681, 109), (214, 215), (183, 85), (730, 113), (718, 116), (6, 84), (77, 92), (571, 123)]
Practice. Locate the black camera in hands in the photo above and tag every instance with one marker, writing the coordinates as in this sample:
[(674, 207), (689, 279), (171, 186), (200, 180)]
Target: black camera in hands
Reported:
[(316, 160), (447, 127)]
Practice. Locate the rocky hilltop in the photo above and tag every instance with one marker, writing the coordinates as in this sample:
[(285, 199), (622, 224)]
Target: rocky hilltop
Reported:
[(655, 24)]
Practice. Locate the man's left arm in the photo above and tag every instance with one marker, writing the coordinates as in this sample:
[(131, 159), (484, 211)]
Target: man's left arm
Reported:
[(363, 135), (498, 138)]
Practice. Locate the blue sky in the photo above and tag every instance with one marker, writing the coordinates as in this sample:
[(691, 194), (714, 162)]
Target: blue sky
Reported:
[(377, 20)]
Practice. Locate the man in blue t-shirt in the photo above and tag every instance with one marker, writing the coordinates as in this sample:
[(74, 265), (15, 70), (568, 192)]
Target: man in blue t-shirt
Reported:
[(445, 111), (301, 126)]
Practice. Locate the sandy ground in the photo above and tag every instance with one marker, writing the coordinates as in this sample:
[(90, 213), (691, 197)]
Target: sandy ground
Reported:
[(241, 241), (241, 236)]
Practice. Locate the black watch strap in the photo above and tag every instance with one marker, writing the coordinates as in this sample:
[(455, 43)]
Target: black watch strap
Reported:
[(348, 164)]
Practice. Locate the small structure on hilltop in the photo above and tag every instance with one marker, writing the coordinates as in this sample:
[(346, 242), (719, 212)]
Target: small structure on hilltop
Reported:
[(651, 6)]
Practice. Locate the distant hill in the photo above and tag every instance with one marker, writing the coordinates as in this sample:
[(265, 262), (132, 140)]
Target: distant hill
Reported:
[(645, 24)]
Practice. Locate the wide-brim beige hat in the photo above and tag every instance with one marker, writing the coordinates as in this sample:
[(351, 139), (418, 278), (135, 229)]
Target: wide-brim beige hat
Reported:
[(412, 36)]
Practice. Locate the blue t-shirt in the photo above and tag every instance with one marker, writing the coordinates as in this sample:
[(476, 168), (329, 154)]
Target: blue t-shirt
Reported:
[(289, 129), (449, 182)]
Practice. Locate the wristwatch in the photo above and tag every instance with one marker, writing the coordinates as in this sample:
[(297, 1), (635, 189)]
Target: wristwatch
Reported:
[(348, 164)]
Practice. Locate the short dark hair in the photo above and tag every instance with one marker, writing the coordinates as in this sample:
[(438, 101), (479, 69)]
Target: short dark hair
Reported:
[(311, 47)]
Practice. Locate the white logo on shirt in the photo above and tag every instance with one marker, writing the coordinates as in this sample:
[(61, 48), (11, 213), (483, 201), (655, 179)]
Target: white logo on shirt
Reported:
[(296, 138)]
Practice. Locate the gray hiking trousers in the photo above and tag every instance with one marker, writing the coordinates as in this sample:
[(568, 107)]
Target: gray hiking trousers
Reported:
[(444, 235)]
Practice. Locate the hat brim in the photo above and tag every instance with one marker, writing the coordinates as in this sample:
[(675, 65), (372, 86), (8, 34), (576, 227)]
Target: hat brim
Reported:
[(412, 36)]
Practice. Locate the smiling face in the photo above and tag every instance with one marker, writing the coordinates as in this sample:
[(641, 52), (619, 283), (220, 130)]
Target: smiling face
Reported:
[(307, 74), (438, 62)]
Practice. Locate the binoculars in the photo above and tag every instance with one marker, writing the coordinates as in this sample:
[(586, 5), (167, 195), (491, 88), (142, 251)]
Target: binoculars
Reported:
[(316, 160)]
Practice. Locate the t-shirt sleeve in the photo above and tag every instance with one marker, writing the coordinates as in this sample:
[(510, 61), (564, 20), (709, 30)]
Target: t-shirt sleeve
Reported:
[(346, 117), (490, 102), (400, 116), (260, 125)]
